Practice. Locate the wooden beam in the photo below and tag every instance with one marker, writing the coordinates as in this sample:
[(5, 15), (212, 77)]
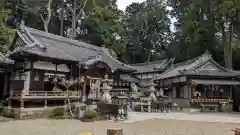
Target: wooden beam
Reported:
[(114, 131)]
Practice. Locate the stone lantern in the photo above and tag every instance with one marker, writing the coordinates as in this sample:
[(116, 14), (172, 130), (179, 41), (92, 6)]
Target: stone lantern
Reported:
[(106, 89), (152, 91)]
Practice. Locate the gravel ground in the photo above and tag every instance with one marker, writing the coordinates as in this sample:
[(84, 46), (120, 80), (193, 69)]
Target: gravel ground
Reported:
[(147, 127)]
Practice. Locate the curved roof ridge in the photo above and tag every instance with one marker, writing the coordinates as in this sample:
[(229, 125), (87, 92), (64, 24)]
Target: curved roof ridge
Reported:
[(188, 65), (165, 63), (77, 43), (191, 61), (114, 59), (149, 63)]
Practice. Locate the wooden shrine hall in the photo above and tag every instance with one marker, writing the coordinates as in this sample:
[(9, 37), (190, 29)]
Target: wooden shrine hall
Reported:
[(198, 82), (43, 60)]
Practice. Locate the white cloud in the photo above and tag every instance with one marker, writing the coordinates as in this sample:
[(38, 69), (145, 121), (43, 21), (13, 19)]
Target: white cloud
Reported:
[(122, 4)]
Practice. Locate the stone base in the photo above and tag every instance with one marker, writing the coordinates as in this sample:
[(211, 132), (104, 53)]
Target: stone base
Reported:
[(27, 113)]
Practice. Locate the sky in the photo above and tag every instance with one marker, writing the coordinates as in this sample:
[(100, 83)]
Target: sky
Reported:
[(122, 4)]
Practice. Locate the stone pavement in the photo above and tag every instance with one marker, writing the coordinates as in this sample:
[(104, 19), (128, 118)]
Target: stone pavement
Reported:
[(204, 117)]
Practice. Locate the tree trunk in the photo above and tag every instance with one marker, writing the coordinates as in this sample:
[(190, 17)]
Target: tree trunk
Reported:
[(227, 47), (149, 56), (74, 20), (47, 19), (114, 131), (62, 9)]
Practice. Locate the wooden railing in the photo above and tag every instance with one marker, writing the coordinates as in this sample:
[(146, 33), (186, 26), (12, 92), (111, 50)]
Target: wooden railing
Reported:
[(19, 94), (210, 100)]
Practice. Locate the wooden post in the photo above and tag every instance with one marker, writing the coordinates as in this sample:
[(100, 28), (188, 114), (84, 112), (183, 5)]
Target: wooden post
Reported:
[(45, 101), (142, 110), (65, 108), (237, 131), (86, 133), (114, 131), (10, 99)]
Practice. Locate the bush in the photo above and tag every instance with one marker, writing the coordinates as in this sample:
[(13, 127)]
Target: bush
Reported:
[(58, 111), (9, 113), (90, 114)]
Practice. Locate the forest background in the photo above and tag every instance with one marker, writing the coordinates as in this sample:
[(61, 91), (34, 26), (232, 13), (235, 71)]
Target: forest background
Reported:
[(143, 32)]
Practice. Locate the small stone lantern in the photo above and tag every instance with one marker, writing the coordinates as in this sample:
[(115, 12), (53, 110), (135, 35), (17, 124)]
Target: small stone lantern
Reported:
[(152, 91), (122, 101), (106, 89)]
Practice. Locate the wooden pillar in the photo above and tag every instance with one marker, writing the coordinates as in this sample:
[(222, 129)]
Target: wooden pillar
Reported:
[(141, 107), (86, 133), (114, 131), (189, 97), (5, 86), (27, 82), (84, 90), (55, 75), (10, 98), (45, 101)]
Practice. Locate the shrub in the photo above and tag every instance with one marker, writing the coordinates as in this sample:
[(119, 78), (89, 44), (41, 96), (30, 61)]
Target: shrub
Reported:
[(9, 113), (90, 114), (58, 111)]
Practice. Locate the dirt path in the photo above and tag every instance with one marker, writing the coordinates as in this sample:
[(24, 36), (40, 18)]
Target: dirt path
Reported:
[(148, 127)]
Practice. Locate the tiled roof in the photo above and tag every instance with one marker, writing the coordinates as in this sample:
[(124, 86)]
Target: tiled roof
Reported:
[(190, 67), (154, 66), (53, 46), (129, 78)]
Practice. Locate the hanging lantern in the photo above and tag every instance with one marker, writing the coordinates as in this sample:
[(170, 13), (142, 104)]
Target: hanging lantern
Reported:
[(46, 78), (213, 88), (36, 78), (221, 90), (115, 83)]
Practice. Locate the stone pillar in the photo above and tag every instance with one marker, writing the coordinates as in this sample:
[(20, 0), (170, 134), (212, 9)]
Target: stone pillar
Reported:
[(21, 104), (149, 106), (106, 89), (152, 90), (174, 92), (21, 108), (27, 82)]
